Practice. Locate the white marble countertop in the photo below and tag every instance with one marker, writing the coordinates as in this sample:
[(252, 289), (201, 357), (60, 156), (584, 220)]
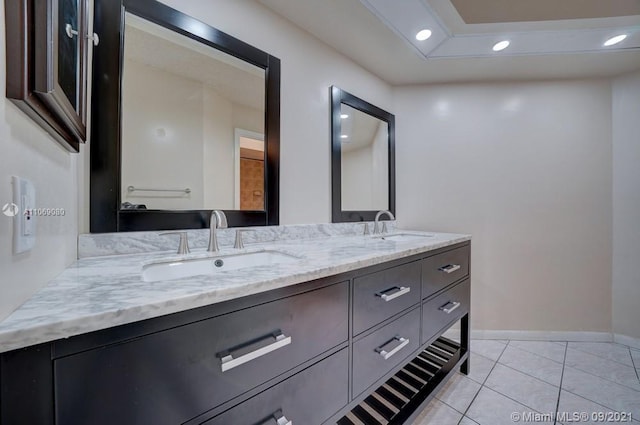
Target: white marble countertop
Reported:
[(102, 292)]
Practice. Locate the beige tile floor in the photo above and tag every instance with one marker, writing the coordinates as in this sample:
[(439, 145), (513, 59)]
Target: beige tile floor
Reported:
[(531, 379)]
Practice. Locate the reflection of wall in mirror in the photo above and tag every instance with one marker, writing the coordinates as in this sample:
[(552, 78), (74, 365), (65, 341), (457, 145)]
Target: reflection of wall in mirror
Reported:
[(365, 184), (195, 148)]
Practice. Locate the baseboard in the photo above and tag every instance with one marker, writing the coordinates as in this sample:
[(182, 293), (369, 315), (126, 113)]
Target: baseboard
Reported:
[(548, 336), (627, 340)]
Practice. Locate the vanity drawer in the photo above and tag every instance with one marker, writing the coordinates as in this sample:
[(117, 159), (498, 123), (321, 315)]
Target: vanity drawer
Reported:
[(445, 308), (444, 269), (172, 376), (309, 397), (380, 295), (378, 353)]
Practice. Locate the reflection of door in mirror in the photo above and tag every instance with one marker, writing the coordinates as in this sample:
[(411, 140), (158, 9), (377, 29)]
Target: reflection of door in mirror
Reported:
[(249, 174), (364, 161), (181, 103)]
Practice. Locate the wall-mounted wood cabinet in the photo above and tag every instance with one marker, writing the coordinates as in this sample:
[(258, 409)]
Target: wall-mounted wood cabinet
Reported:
[(47, 52)]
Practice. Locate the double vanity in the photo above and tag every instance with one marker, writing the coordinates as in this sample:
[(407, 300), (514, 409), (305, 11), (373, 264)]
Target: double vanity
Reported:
[(300, 325), (305, 325)]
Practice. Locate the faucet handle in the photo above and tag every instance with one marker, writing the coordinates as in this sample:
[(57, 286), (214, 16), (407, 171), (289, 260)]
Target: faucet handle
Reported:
[(384, 227), (366, 229), (239, 244), (183, 247)]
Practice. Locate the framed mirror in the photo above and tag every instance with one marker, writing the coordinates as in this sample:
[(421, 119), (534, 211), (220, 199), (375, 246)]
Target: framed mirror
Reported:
[(362, 158), (185, 120), (47, 46)]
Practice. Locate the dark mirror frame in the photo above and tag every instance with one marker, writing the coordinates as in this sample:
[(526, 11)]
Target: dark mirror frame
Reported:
[(338, 97), (105, 213), (31, 64)]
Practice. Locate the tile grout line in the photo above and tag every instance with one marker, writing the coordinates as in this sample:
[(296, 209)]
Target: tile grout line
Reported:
[(605, 379), (634, 365), (597, 355), (560, 389), (530, 376), (566, 349), (482, 384), (537, 354), (599, 403), (592, 401), (609, 360)]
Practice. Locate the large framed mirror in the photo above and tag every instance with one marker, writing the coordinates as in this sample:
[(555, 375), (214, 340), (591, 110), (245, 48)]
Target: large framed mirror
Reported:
[(362, 158), (185, 119)]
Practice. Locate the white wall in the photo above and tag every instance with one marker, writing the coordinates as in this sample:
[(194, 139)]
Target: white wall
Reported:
[(27, 151), (197, 148), (380, 168), (218, 153), (626, 205), (526, 169), (356, 174), (309, 68), (365, 181), (154, 100)]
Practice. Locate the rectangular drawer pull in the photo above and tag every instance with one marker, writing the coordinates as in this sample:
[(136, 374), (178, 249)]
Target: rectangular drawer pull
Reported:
[(450, 306), (282, 420), (228, 362), (450, 268), (387, 354), (279, 418), (400, 290)]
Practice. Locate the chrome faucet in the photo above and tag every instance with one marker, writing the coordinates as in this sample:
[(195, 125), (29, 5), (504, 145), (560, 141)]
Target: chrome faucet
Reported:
[(218, 221), (376, 224)]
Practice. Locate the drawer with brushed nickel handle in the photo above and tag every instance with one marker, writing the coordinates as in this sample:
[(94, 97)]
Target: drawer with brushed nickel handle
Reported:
[(308, 397), (207, 362), (441, 270), (377, 353), (445, 308), (378, 296)]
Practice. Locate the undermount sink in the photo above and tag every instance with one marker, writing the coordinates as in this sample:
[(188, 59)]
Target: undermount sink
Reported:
[(168, 270), (404, 237)]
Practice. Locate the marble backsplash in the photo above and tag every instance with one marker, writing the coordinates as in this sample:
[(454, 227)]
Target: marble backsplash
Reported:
[(101, 244)]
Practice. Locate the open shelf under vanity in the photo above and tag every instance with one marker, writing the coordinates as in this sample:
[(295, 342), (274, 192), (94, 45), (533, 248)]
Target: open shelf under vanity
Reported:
[(411, 388)]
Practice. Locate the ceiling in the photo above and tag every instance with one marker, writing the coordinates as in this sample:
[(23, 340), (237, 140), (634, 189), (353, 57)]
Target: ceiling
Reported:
[(359, 128), (231, 78), (492, 11), (548, 41)]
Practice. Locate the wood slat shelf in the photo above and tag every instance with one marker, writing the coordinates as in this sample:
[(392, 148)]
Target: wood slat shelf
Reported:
[(409, 389)]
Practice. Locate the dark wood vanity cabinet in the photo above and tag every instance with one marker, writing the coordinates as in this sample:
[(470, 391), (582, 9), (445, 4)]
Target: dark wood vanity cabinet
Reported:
[(171, 376), (308, 353)]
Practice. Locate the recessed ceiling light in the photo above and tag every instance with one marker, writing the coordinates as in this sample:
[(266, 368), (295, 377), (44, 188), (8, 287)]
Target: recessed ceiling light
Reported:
[(615, 40), (344, 116), (343, 136), (501, 45), (423, 35)]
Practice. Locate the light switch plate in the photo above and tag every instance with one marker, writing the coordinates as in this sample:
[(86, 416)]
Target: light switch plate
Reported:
[(24, 224)]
